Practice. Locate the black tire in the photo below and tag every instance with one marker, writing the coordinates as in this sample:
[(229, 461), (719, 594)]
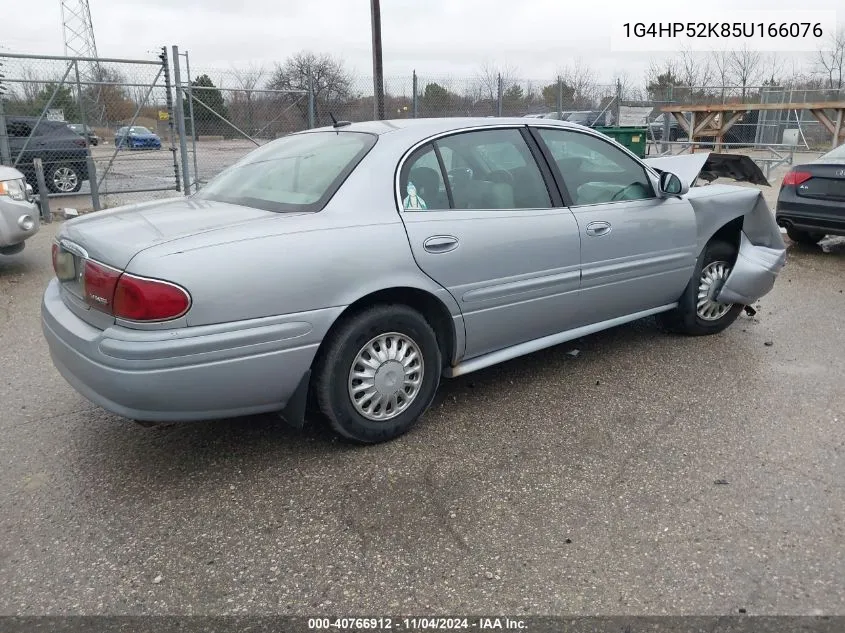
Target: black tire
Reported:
[(14, 249), (331, 372), (804, 237), (685, 319), (50, 177)]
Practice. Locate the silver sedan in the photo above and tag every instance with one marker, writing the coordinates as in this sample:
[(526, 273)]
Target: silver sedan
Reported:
[(352, 267)]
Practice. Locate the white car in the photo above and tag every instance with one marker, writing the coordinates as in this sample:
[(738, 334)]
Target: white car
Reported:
[(19, 216)]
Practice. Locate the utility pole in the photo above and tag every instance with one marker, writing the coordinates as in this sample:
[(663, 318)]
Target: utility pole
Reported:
[(378, 70)]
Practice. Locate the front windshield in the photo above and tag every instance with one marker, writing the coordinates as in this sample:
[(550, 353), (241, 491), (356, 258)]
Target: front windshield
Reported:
[(139, 130), (295, 173)]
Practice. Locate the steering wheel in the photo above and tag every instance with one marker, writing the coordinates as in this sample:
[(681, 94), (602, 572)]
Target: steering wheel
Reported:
[(501, 176), (459, 174), (619, 195)]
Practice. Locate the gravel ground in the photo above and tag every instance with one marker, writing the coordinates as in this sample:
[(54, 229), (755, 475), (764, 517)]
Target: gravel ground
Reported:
[(649, 474)]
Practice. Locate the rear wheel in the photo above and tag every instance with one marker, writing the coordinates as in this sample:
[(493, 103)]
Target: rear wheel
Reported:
[(698, 313), (378, 373), (64, 179), (804, 237)]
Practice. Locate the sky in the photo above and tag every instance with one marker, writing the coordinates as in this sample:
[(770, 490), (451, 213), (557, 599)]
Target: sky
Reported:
[(438, 38)]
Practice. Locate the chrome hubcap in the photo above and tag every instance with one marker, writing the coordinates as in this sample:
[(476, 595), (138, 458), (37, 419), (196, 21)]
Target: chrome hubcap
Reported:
[(712, 279), (386, 376), (65, 179)]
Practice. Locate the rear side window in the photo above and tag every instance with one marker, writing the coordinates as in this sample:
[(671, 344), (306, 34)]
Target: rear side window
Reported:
[(300, 172)]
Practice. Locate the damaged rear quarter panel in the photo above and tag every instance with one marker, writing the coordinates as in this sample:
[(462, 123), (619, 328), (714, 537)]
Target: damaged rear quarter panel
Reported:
[(762, 252)]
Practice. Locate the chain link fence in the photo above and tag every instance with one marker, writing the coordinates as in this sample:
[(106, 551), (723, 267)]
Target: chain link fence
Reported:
[(159, 127), (97, 126)]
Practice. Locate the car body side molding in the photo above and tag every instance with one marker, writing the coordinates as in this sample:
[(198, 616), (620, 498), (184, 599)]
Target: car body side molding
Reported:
[(529, 347)]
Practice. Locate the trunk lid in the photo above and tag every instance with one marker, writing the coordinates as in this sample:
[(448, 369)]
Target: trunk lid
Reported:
[(115, 237), (827, 181)]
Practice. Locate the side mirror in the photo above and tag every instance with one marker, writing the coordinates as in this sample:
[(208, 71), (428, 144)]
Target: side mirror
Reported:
[(671, 185), (29, 192)]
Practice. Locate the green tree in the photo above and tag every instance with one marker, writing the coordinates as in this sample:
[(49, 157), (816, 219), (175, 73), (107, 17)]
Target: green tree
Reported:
[(435, 100), (64, 100), (207, 100), (550, 95), (663, 85)]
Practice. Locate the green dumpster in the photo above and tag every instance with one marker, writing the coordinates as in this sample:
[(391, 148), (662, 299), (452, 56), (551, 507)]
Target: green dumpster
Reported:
[(634, 138)]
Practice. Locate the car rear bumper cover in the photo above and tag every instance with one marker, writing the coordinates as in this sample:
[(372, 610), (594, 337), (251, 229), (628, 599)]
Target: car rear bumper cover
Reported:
[(184, 374)]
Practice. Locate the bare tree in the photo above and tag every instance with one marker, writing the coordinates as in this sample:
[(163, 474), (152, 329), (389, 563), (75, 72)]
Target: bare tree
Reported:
[(745, 65), (32, 83), (330, 80), (582, 79), (248, 80), (723, 70), (695, 70), (487, 82), (830, 60)]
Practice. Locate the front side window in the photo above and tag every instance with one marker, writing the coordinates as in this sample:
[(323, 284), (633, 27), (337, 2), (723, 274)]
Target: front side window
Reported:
[(296, 173), (594, 171)]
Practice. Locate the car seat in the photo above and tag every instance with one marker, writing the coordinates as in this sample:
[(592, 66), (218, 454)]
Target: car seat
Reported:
[(427, 182)]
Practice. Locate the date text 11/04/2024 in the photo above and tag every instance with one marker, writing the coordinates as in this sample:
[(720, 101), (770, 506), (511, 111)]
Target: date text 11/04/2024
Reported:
[(723, 29), (416, 624)]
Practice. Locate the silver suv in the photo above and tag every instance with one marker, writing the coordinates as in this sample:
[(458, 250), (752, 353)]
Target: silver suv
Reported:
[(19, 219)]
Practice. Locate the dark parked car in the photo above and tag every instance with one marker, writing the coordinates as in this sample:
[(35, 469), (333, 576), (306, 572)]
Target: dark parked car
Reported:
[(657, 125), (137, 137), (811, 202), (591, 118), (62, 151), (84, 130)]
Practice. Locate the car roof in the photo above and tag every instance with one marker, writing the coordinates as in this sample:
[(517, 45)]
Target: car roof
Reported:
[(427, 127)]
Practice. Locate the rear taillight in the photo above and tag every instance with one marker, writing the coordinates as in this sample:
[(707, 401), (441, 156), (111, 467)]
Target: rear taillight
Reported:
[(79, 141), (796, 177), (133, 298), (98, 285), (139, 299)]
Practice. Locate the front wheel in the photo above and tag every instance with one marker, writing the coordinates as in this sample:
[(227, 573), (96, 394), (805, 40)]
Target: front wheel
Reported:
[(804, 237), (378, 373), (698, 313)]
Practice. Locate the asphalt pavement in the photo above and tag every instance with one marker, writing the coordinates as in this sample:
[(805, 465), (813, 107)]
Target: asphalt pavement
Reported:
[(646, 474)]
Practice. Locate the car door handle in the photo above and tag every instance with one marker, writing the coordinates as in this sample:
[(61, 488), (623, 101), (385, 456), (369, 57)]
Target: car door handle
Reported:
[(597, 229), (441, 243)]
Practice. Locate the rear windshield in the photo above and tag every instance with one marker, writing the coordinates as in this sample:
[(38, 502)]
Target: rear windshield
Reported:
[(296, 173)]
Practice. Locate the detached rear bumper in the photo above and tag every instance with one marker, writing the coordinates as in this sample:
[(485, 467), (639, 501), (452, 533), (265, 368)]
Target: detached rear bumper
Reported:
[(183, 374)]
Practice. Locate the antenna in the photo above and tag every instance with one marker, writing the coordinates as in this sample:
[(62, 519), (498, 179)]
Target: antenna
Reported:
[(334, 120)]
